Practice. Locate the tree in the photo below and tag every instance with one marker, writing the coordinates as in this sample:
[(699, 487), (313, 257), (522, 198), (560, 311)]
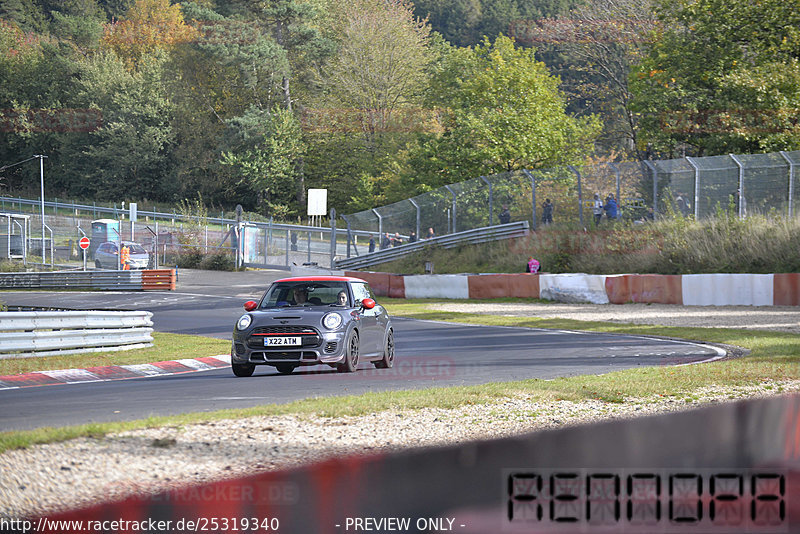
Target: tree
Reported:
[(381, 62), (269, 143), (721, 77), (128, 156), (502, 111), (149, 25), (593, 49)]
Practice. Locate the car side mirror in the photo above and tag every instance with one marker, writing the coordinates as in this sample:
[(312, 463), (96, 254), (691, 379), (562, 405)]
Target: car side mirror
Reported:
[(367, 304), (250, 305)]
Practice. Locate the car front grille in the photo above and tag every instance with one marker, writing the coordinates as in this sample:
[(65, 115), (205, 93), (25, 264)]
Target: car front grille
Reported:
[(284, 329), (310, 337)]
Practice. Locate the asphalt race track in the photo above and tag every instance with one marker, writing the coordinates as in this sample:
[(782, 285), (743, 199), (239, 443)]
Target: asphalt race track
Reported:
[(428, 354)]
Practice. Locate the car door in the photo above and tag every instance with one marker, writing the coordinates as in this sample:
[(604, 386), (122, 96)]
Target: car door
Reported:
[(369, 320)]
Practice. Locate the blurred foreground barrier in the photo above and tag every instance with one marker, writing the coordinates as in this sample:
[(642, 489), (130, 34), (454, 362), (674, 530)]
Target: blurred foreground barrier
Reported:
[(153, 279), (727, 468), (32, 334)]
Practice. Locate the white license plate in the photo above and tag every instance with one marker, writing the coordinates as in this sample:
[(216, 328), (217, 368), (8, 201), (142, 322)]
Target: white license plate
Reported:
[(282, 342)]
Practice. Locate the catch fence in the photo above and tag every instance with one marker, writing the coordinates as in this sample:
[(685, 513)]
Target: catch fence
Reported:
[(699, 187)]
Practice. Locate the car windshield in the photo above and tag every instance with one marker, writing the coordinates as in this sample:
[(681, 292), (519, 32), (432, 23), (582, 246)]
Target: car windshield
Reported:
[(136, 248), (307, 293)]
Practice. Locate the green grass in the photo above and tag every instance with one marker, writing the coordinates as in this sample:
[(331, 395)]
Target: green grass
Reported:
[(774, 357), (165, 347)]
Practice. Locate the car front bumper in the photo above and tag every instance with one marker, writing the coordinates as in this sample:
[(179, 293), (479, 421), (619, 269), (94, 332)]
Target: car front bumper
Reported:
[(328, 348)]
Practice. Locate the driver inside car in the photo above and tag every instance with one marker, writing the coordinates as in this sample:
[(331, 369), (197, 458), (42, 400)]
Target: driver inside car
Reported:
[(300, 296), (341, 298)]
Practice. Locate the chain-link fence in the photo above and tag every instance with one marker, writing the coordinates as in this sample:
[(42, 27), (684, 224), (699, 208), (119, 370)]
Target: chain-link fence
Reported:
[(699, 187)]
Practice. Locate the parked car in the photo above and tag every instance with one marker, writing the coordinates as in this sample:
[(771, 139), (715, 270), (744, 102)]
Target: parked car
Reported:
[(331, 320), (107, 256)]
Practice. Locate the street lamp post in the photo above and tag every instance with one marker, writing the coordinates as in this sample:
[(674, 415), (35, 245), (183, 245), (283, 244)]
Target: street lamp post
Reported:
[(41, 175)]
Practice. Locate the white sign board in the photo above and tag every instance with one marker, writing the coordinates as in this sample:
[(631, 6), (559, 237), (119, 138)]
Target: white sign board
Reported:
[(317, 201), (132, 207)]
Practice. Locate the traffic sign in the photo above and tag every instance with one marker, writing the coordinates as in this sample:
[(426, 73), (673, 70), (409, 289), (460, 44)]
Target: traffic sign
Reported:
[(84, 243)]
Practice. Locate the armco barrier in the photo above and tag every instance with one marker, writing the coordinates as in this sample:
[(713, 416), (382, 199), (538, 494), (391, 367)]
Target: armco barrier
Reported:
[(33, 334), (727, 289), (448, 286), (644, 288), (157, 279), (653, 474), (490, 286)]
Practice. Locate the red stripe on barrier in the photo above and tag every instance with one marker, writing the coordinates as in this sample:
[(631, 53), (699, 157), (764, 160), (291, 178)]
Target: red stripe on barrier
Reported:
[(379, 282), (786, 289), (397, 286), (645, 288), (503, 285)]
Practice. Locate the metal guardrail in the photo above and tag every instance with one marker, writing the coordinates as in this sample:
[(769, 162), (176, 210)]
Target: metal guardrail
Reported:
[(34, 334), (98, 280), (477, 235)]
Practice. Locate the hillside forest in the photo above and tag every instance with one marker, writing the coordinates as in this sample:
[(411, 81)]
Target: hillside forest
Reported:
[(253, 102)]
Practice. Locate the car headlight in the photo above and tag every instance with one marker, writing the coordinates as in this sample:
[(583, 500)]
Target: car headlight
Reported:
[(332, 321), (243, 322)]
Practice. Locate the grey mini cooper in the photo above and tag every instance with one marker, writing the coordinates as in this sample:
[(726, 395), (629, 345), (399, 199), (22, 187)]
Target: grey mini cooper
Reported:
[(313, 320)]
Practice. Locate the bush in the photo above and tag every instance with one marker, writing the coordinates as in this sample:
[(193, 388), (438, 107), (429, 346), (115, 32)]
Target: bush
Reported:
[(218, 261)]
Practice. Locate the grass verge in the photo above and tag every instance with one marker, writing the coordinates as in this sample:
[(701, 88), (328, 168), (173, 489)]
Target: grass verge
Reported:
[(774, 357)]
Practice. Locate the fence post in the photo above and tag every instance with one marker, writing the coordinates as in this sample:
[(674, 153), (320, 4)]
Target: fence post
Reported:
[(454, 208), (380, 224), (653, 169), (348, 234), (491, 200), (333, 237), (619, 200), (527, 173), (580, 193), (791, 181), (741, 185), (416, 207), (696, 187)]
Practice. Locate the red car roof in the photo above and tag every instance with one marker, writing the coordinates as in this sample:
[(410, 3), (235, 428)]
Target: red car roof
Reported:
[(322, 279)]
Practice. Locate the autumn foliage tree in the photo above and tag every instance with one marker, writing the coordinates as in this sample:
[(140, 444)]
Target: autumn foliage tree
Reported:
[(148, 25)]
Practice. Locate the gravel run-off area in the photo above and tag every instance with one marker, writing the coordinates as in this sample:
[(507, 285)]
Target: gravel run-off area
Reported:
[(48, 478)]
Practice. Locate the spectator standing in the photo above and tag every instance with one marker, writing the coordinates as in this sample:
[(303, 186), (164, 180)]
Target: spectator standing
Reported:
[(386, 242), (611, 208), (397, 240), (547, 212), (431, 234), (683, 205), (412, 238), (372, 243), (532, 266), (597, 209), (505, 216)]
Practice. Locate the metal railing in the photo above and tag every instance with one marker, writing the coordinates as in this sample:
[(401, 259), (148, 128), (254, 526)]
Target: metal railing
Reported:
[(34, 334), (477, 235), (92, 280)]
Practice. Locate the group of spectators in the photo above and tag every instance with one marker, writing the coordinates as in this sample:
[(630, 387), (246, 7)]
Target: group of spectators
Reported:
[(388, 241), (610, 208)]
